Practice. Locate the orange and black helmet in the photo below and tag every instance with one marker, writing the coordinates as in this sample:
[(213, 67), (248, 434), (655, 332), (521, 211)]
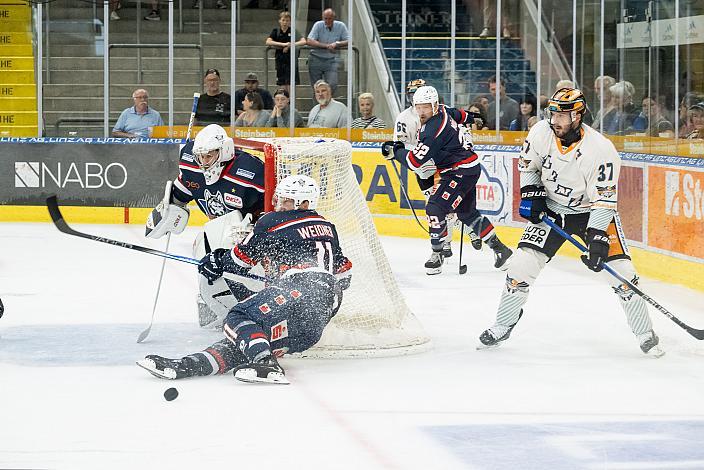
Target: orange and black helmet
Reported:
[(413, 85), (567, 99)]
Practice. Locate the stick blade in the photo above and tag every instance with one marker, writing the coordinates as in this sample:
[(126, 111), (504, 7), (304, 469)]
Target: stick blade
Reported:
[(143, 335)]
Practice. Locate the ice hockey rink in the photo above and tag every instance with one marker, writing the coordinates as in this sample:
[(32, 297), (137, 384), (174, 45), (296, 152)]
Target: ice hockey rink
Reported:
[(569, 390)]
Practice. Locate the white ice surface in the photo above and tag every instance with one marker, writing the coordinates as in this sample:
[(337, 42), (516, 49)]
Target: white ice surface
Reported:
[(570, 389)]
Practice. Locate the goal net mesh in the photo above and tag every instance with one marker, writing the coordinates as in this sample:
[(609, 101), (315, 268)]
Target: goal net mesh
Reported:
[(374, 319)]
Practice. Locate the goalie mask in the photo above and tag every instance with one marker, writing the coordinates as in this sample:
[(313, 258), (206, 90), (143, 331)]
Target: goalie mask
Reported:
[(412, 87), (212, 150), (562, 111), (299, 188)]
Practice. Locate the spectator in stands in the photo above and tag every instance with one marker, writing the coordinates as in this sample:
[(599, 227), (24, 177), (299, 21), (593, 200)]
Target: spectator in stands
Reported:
[(136, 120), (607, 83), (696, 117), (685, 124), (564, 84), (251, 85), (482, 102), (114, 6), (326, 38), (253, 115), (651, 119), (219, 4), (619, 115), (509, 17), (280, 115), (508, 107), (478, 125), (213, 105), (328, 112), (367, 120), (280, 38), (526, 111)]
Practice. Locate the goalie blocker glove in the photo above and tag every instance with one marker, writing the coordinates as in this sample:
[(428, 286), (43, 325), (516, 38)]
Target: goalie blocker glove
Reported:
[(598, 249), (388, 148), (214, 264), (533, 204)]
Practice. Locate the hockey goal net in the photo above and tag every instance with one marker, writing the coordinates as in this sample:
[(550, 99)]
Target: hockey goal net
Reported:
[(374, 319)]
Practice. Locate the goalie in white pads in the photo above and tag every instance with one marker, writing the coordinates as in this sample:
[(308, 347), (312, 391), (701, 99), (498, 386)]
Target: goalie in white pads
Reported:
[(307, 273), (227, 184), (569, 171)]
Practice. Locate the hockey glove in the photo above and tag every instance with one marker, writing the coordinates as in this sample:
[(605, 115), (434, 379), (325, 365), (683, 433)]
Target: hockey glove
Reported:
[(533, 204), (598, 246), (213, 264), (388, 148)]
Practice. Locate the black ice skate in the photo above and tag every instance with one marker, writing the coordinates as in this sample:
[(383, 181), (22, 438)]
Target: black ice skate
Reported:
[(447, 249), (494, 336), (170, 369), (267, 370), (434, 263), (502, 253), (649, 344)]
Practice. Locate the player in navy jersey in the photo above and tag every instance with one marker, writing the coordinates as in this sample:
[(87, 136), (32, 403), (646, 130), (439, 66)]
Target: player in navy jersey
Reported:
[(443, 147), (227, 184), (307, 273)]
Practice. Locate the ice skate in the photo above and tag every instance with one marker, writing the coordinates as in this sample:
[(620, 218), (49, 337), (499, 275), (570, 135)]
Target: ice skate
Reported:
[(267, 370), (495, 335), (434, 263), (502, 253), (649, 342), (476, 240), (447, 249), (171, 369)]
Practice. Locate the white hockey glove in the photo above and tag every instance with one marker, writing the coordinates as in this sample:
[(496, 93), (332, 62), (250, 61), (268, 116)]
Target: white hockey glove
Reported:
[(167, 217), (240, 230)]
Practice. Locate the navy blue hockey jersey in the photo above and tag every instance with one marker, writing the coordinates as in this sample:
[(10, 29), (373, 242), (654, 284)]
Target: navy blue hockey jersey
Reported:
[(290, 242), (240, 186), (442, 146)]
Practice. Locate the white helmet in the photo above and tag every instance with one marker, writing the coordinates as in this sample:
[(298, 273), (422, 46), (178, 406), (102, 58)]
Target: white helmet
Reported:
[(300, 188), (213, 137), (426, 94)]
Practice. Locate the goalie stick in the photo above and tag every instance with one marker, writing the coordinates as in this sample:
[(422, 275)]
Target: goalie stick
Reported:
[(60, 223), (699, 334), (143, 335)]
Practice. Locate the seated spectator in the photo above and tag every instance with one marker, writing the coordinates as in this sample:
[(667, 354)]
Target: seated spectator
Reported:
[(527, 110), (367, 120), (651, 120), (685, 124), (478, 125), (213, 105), (136, 120), (328, 112), (251, 84), (696, 117), (619, 115), (508, 107), (606, 82), (253, 114), (280, 38), (280, 115)]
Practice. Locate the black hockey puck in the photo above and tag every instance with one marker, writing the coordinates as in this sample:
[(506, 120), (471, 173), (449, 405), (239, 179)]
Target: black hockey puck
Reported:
[(170, 394)]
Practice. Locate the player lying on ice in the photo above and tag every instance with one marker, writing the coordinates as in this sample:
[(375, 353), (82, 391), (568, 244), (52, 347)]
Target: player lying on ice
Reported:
[(228, 186), (301, 253), (443, 147), (569, 172)]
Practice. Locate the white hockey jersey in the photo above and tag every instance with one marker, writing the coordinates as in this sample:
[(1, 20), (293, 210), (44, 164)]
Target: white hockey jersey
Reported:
[(579, 178), (406, 127)]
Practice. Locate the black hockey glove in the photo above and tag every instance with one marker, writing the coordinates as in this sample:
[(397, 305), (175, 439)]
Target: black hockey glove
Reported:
[(213, 264), (533, 204), (598, 246), (388, 148)]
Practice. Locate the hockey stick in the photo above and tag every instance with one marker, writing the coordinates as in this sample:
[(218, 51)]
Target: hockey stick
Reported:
[(699, 334), (61, 224), (143, 335), (405, 194), (463, 267)]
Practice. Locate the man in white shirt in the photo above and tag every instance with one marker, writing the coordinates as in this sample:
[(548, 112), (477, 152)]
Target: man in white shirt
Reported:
[(328, 112)]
